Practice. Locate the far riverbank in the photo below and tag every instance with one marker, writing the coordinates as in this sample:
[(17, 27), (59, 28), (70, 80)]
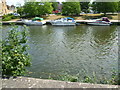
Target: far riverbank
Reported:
[(82, 19)]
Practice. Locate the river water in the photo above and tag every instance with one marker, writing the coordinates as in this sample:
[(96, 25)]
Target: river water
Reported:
[(73, 50)]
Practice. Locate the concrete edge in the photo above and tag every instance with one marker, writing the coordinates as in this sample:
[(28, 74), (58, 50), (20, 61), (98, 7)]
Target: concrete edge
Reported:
[(28, 82)]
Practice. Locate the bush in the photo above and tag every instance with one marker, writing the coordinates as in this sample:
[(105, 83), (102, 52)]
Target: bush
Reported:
[(14, 55), (9, 17), (69, 78), (85, 78), (59, 13)]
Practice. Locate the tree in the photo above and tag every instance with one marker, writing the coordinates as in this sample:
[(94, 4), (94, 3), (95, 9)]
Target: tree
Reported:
[(115, 5), (30, 9), (105, 7), (84, 6), (20, 10), (33, 9), (45, 8), (55, 5), (119, 6), (14, 53), (71, 8)]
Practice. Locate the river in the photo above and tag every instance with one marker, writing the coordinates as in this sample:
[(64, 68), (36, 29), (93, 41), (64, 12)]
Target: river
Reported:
[(75, 50)]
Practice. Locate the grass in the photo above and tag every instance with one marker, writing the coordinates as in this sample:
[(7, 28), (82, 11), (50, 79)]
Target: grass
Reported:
[(84, 77), (116, 17), (53, 17), (89, 79), (84, 16), (81, 17), (9, 17)]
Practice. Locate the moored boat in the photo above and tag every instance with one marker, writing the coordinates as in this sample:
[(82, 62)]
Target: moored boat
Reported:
[(100, 22), (63, 22), (36, 21)]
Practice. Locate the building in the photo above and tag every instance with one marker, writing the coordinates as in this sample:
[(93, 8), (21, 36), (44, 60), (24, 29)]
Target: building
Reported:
[(11, 8), (60, 7), (3, 8)]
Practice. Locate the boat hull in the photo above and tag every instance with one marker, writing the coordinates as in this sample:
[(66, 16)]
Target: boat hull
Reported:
[(34, 23), (99, 24), (63, 23)]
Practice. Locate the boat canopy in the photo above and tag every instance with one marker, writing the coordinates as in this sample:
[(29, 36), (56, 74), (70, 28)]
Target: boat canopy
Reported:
[(105, 19), (69, 18), (37, 18)]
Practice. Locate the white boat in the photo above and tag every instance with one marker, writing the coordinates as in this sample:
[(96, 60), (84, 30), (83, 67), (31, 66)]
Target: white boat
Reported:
[(30, 22), (100, 22), (64, 22), (35, 21)]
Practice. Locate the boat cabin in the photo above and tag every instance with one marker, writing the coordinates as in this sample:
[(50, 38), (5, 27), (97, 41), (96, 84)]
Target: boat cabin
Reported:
[(37, 19), (105, 19), (69, 19)]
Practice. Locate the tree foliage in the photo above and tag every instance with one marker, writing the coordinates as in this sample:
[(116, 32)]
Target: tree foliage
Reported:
[(71, 8), (14, 53), (105, 7), (20, 10), (55, 5), (119, 6), (37, 8), (84, 6)]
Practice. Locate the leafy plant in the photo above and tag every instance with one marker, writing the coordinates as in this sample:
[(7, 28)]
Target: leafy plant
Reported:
[(88, 79), (115, 78), (69, 78), (9, 17), (14, 53)]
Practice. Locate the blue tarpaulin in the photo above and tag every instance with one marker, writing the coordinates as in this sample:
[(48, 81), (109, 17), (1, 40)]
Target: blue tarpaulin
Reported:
[(69, 18)]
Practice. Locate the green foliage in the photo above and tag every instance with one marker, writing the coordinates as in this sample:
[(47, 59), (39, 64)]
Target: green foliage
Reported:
[(116, 6), (84, 6), (8, 17), (63, 77), (46, 8), (68, 77), (14, 55), (71, 8), (105, 7), (84, 78), (33, 9), (119, 6), (29, 9), (20, 10), (55, 5), (115, 78)]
